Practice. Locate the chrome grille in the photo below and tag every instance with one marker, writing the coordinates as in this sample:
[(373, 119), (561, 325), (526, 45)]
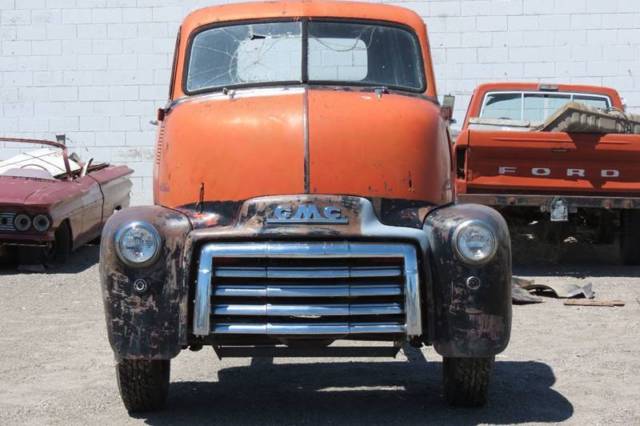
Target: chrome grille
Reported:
[(297, 289), (6, 221)]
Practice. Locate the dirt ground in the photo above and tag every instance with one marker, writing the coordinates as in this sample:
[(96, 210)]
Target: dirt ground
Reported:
[(564, 364)]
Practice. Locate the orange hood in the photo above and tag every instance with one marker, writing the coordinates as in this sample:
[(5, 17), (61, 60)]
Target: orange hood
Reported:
[(262, 142)]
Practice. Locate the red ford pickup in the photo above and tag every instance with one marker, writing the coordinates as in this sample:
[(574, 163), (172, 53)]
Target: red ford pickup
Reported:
[(509, 157)]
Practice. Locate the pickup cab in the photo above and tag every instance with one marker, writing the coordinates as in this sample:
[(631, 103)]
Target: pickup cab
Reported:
[(304, 195), (566, 182)]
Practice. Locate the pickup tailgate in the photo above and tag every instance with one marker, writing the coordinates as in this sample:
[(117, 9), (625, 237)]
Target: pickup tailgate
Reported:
[(553, 163)]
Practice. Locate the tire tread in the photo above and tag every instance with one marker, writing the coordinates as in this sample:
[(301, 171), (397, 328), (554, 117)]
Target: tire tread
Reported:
[(466, 380), (143, 385)]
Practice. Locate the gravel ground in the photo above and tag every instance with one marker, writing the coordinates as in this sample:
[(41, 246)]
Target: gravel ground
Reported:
[(564, 364)]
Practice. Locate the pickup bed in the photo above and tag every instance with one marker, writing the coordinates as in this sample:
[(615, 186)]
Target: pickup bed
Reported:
[(509, 157)]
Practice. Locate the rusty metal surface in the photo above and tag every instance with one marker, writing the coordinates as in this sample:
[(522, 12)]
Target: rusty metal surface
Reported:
[(468, 322), (146, 325), (524, 200), (156, 325)]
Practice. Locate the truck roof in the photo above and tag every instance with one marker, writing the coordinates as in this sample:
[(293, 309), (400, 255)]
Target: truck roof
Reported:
[(301, 8)]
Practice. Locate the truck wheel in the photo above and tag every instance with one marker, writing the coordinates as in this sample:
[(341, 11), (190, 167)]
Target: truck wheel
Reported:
[(143, 385), (466, 380), (629, 237)]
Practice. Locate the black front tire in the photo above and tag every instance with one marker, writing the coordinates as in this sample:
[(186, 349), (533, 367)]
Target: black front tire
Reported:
[(143, 385), (466, 380), (630, 235), (59, 252)]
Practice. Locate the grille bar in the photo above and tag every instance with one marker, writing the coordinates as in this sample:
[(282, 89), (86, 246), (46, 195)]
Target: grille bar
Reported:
[(6, 221), (276, 288), (307, 291), (306, 272), (308, 310), (325, 329)]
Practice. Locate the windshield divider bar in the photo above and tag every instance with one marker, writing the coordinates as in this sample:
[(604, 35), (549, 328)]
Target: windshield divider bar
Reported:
[(305, 51)]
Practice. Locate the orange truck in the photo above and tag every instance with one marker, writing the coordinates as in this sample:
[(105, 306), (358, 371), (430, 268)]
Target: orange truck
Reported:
[(582, 182), (304, 194)]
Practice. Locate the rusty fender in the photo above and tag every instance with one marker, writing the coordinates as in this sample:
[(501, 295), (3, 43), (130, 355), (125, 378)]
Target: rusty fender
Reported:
[(469, 322), (149, 325)]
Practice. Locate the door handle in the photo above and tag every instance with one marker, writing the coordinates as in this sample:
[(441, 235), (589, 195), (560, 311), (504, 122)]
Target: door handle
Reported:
[(560, 150)]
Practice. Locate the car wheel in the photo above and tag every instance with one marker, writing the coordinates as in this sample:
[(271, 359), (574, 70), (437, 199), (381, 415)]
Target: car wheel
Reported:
[(143, 385), (466, 380), (630, 235), (60, 251)]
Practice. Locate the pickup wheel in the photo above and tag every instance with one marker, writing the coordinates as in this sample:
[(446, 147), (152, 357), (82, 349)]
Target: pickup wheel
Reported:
[(629, 237), (466, 380), (143, 385)]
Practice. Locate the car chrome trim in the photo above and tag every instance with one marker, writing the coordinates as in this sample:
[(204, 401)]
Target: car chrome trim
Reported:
[(412, 326)]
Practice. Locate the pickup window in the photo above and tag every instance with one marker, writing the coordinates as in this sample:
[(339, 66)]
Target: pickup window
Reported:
[(534, 106), (313, 52)]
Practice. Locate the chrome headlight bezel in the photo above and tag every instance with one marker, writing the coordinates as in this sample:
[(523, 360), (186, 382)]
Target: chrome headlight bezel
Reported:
[(157, 239), (19, 217), (467, 225), (39, 217)]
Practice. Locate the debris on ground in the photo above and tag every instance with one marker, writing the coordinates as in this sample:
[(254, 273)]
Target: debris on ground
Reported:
[(587, 302), (520, 295), (522, 291)]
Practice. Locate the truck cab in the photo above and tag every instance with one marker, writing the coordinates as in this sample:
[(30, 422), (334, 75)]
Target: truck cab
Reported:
[(510, 158), (304, 194)]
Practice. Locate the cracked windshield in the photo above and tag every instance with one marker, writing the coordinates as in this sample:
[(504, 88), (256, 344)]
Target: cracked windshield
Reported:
[(338, 53)]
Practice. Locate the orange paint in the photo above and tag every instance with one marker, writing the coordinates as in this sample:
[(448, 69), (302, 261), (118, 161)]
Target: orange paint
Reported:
[(285, 140)]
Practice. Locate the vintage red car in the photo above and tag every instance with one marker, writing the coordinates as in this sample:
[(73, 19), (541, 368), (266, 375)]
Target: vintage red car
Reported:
[(52, 203)]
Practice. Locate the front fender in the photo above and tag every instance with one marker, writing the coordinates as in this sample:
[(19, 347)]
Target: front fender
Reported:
[(148, 325), (469, 322)]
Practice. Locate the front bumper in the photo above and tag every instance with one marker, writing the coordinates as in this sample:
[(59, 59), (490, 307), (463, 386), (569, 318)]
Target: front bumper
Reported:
[(544, 202)]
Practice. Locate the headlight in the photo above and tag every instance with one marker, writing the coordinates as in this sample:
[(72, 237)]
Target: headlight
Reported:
[(22, 222), (41, 223), (138, 244), (475, 242)]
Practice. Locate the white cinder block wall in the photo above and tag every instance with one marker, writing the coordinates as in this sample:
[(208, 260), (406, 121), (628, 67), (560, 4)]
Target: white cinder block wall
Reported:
[(98, 69)]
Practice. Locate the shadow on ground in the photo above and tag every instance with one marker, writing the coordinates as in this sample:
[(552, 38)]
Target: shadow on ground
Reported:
[(359, 393), (80, 260)]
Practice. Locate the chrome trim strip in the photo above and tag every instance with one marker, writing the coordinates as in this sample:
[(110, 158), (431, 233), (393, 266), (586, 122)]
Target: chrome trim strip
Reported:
[(311, 310), (305, 125), (307, 272), (340, 329), (275, 290), (275, 250), (202, 304)]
